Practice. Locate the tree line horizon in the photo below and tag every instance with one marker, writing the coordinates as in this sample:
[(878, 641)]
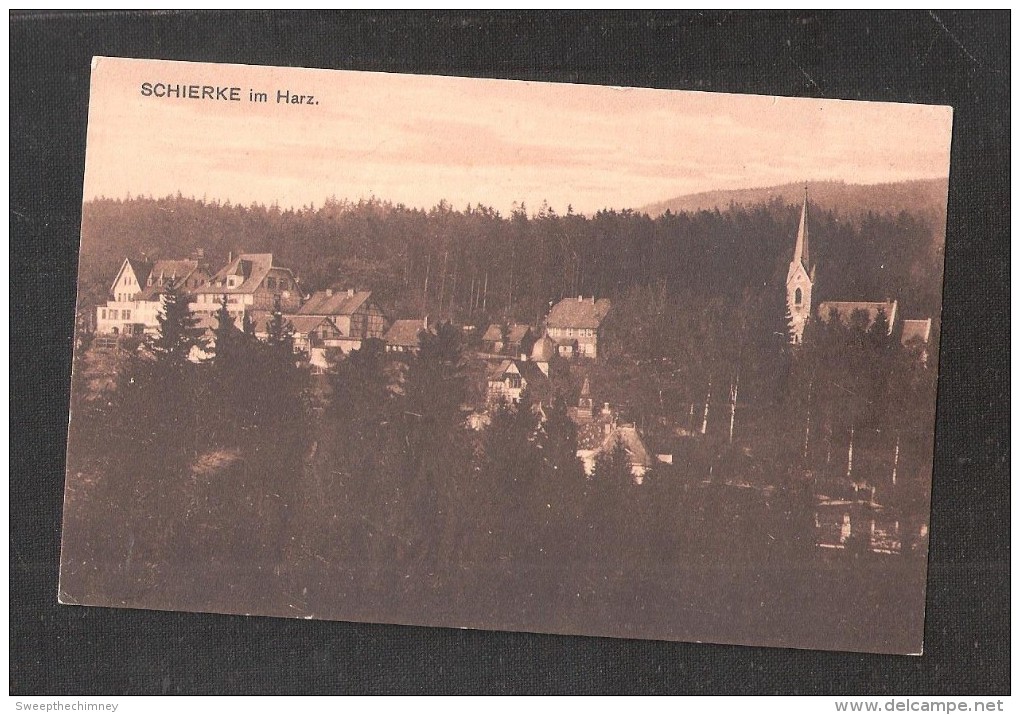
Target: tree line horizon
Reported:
[(450, 263)]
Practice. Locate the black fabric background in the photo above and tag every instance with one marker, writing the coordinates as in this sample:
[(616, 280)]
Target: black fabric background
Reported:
[(961, 59)]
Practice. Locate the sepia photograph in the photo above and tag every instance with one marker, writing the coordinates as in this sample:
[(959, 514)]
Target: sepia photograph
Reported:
[(506, 355)]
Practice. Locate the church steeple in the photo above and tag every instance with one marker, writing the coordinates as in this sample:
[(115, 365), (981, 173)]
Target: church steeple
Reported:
[(801, 253), (585, 400), (800, 279)]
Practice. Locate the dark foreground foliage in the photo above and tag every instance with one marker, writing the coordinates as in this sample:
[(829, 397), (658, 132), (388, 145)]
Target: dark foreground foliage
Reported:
[(240, 485)]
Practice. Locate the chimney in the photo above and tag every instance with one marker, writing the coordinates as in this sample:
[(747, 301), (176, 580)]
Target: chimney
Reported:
[(580, 299), (350, 292), (425, 322), (329, 292), (593, 300)]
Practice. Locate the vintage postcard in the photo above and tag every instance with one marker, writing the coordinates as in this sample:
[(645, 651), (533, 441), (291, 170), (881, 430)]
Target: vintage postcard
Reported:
[(506, 355)]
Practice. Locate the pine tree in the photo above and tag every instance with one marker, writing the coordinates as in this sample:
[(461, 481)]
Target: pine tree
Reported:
[(612, 467), (559, 444), (177, 334), (280, 331), (225, 331)]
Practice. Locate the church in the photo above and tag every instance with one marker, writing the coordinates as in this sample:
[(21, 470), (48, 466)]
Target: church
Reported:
[(800, 285)]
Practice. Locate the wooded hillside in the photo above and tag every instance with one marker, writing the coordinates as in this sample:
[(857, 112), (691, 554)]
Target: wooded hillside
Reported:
[(480, 265)]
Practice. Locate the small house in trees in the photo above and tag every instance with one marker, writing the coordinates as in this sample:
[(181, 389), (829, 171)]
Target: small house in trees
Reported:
[(858, 314), (857, 523), (602, 436), (915, 335), (508, 380), (575, 324), (518, 339), (599, 432), (353, 313), (314, 336), (543, 351), (916, 332), (403, 335), (251, 282)]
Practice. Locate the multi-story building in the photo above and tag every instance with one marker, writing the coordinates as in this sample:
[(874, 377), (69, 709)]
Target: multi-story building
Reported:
[(251, 282), (136, 294), (576, 325), (354, 314)]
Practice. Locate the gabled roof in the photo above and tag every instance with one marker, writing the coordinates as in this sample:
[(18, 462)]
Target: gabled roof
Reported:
[(404, 333), (578, 313), (525, 368), (251, 267), (178, 270), (517, 333), (845, 310), (327, 302), (628, 436), (497, 371), (531, 372), (305, 324), (141, 269), (302, 324), (544, 349), (258, 319)]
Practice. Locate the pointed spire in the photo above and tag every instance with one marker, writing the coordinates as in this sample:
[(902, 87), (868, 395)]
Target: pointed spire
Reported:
[(584, 402), (801, 253)]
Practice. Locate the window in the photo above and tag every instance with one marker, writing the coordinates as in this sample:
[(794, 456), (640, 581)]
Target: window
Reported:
[(102, 314), (514, 380), (113, 315), (126, 315), (798, 297), (271, 283)]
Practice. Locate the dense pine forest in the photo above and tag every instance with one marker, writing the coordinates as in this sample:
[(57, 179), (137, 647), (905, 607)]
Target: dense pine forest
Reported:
[(242, 484), (529, 258)]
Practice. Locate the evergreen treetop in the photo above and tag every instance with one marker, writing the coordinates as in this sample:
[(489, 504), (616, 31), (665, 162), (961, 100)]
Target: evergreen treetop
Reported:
[(177, 333)]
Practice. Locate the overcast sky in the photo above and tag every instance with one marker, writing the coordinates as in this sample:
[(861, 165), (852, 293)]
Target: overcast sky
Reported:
[(419, 139)]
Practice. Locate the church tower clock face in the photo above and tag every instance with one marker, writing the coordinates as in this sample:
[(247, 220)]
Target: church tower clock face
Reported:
[(799, 281)]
